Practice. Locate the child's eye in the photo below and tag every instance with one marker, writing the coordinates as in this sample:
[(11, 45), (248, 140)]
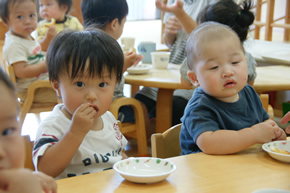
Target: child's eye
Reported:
[(103, 84), (19, 17), (32, 15), (235, 62), (8, 131), (80, 84), (213, 68)]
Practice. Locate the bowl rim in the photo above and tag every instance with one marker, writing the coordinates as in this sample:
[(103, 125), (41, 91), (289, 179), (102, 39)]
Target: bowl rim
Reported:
[(264, 147), (144, 176)]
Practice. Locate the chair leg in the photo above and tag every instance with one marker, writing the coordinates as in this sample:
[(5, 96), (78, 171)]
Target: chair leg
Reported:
[(141, 131)]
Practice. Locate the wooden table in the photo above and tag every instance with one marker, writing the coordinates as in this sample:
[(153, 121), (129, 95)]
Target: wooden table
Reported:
[(244, 172), (269, 53), (167, 80), (272, 78)]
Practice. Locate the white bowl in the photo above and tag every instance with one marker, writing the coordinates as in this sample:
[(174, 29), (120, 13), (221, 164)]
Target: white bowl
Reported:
[(139, 69), (144, 169), (283, 145)]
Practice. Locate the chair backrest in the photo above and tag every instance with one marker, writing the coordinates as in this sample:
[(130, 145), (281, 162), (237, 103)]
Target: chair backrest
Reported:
[(28, 152), (265, 102), (11, 73), (166, 144)]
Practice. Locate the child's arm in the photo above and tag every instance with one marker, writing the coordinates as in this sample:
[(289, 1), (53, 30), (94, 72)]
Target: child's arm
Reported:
[(229, 141), (49, 35), (58, 156), (19, 180), (22, 70)]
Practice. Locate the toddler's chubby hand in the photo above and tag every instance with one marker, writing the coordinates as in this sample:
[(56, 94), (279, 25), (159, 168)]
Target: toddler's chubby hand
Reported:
[(130, 59), (48, 183), (267, 131), (19, 180), (51, 32), (83, 119)]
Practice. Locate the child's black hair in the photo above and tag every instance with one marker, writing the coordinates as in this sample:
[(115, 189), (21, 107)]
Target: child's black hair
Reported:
[(65, 2), (227, 12), (71, 51), (5, 6), (102, 12)]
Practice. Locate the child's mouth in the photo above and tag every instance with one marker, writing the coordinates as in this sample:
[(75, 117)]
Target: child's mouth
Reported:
[(230, 84), (95, 107)]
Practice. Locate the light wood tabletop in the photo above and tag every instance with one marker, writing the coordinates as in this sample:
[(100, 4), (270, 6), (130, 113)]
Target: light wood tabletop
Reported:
[(269, 52), (167, 80), (272, 78), (245, 172)]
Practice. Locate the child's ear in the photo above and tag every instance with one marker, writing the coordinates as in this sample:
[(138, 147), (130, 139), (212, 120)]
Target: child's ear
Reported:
[(55, 86), (192, 77), (114, 24), (64, 8)]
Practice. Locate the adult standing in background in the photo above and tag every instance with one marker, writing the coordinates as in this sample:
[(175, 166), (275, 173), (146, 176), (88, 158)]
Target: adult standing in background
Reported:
[(175, 37)]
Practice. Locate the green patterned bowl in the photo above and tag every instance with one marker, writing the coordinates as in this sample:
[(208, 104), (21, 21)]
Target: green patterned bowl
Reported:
[(144, 169), (278, 150)]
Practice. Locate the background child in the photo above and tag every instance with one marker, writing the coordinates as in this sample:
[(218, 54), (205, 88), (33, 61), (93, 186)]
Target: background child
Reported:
[(80, 136), (21, 50), (237, 16), (58, 10), (13, 177), (224, 115), (110, 16)]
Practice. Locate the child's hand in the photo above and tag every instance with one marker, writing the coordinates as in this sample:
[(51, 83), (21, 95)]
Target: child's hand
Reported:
[(51, 32), (178, 7), (266, 131), (172, 25), (130, 59), (48, 183), (19, 180), (284, 120), (83, 119)]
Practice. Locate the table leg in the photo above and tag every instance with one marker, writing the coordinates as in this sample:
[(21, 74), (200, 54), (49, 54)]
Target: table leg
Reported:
[(164, 110), (134, 90)]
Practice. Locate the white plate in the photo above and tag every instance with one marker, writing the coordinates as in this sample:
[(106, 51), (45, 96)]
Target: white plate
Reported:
[(271, 191), (139, 69), (282, 145), (144, 169), (281, 56)]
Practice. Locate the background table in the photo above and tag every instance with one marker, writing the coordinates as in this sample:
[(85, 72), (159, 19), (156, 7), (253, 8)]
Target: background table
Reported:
[(244, 172), (272, 78), (167, 80)]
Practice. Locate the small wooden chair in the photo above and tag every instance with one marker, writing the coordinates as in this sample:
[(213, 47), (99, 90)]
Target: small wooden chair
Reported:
[(28, 152), (166, 144), (28, 106), (265, 102), (135, 130)]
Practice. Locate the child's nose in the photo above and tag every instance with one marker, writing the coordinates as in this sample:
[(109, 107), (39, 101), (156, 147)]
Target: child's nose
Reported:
[(227, 72), (92, 95)]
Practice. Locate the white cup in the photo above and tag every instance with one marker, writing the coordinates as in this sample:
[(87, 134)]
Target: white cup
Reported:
[(128, 43), (160, 60)]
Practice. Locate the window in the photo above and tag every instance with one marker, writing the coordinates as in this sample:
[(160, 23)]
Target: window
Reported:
[(142, 10)]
